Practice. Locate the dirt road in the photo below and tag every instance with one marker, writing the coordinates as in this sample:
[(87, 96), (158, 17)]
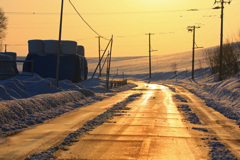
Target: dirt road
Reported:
[(154, 128)]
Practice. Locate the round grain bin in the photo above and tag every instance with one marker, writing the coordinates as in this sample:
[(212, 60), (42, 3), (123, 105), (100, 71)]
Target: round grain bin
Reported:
[(69, 47), (80, 50), (35, 46), (12, 54), (51, 46)]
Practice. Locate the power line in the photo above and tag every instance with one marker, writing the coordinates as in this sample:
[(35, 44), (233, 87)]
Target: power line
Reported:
[(86, 21), (110, 13)]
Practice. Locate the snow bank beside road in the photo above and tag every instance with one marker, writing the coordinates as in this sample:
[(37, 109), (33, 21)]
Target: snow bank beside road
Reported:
[(25, 87), (26, 101), (222, 96), (91, 124)]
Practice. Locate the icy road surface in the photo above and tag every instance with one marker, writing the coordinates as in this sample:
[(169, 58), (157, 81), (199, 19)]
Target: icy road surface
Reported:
[(154, 128)]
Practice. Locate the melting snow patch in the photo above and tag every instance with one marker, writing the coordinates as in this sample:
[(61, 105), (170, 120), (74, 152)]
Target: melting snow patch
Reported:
[(219, 151), (200, 129), (180, 98), (191, 116), (171, 88)]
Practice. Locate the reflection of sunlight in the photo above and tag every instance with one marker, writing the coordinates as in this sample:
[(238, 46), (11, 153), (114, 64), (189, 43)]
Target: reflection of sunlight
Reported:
[(149, 93), (152, 86), (168, 98), (170, 106), (147, 96)]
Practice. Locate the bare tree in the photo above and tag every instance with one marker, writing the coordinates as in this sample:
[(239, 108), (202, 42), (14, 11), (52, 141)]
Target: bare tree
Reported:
[(200, 67), (174, 68), (230, 59), (3, 26)]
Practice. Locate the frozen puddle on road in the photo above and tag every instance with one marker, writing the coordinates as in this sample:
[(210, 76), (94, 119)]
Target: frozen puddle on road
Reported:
[(152, 129)]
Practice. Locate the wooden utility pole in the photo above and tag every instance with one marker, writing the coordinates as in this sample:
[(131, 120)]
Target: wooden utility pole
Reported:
[(110, 41), (108, 70), (221, 37), (60, 48), (99, 51), (150, 50), (5, 48), (192, 29), (109, 57)]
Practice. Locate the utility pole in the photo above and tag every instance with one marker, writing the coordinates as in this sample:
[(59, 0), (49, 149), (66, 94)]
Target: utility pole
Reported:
[(5, 48), (99, 51), (60, 48), (109, 57), (192, 29), (150, 50), (221, 37)]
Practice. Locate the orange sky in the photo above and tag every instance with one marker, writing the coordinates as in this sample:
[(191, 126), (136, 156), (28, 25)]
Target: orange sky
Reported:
[(127, 20)]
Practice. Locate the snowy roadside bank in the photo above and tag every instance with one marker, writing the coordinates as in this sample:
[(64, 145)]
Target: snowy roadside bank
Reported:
[(72, 137), (27, 101), (223, 96)]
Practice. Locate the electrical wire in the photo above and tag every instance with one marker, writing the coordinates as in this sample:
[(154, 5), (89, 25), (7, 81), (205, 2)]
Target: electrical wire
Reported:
[(110, 13), (15, 44), (86, 21)]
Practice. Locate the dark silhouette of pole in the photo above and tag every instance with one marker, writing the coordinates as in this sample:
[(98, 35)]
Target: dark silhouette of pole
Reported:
[(60, 48), (193, 29), (150, 61), (108, 69), (109, 64), (221, 44), (99, 51), (150, 50), (221, 38), (193, 52), (110, 41)]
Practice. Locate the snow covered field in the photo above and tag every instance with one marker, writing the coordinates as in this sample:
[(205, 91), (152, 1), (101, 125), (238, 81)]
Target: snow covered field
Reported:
[(25, 101)]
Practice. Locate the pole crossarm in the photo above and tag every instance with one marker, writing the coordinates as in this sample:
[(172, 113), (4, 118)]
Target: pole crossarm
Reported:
[(222, 1), (190, 28)]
